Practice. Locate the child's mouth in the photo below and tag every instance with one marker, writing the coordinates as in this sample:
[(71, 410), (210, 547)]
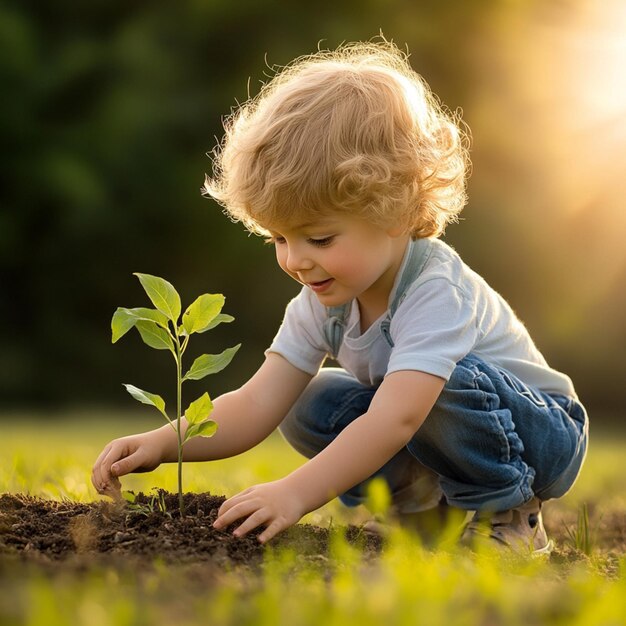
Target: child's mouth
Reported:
[(321, 286)]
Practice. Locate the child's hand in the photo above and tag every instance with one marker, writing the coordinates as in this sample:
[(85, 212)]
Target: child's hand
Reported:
[(275, 505), (137, 453)]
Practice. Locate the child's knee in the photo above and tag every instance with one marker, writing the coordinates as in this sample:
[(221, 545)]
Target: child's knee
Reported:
[(322, 397), (329, 403)]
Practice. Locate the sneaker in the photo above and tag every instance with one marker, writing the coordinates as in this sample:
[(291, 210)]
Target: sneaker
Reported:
[(519, 530)]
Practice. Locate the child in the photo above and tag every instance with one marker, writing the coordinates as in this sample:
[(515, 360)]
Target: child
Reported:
[(348, 164)]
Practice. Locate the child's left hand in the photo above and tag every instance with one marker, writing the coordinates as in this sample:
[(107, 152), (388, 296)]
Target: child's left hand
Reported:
[(275, 505)]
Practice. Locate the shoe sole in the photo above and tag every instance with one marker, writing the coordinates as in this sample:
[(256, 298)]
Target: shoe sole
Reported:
[(545, 551)]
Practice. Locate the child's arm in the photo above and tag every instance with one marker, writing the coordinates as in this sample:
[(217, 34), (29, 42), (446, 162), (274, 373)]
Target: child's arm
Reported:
[(398, 409), (245, 417)]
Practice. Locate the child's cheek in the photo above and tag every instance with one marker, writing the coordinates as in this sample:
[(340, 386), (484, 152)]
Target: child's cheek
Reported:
[(349, 265)]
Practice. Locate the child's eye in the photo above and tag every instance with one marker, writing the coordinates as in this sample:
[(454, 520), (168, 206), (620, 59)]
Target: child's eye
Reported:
[(322, 242), (274, 240)]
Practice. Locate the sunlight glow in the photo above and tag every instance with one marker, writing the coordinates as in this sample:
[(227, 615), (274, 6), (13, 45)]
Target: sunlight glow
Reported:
[(549, 121), (589, 65)]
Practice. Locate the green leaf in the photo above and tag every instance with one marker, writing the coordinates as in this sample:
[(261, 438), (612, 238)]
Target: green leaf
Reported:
[(199, 409), (145, 397), (222, 318), (210, 363), (155, 336), (150, 315), (205, 429), (129, 496), (121, 322), (202, 311), (124, 319), (162, 294)]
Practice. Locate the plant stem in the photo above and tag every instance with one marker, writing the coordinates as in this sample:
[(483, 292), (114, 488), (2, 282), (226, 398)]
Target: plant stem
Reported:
[(179, 402)]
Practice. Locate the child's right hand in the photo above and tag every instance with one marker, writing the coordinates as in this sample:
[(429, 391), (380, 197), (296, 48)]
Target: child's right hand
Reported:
[(136, 453)]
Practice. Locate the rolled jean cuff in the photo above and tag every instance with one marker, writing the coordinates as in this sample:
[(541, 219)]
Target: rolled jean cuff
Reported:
[(472, 498)]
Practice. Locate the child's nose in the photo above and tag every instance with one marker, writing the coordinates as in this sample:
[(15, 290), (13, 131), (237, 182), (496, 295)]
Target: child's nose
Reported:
[(298, 260)]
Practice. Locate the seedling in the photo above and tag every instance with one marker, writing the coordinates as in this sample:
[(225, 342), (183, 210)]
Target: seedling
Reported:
[(156, 503), (162, 329)]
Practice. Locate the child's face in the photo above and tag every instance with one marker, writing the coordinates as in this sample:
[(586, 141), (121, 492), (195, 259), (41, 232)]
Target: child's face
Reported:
[(341, 258)]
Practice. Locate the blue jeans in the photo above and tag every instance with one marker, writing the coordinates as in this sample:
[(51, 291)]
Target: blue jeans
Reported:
[(492, 441)]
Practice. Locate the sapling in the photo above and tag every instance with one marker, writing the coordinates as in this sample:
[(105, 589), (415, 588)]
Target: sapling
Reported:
[(161, 328)]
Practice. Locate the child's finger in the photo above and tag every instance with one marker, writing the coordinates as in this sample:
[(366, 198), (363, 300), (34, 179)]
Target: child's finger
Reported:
[(254, 520), (109, 487), (272, 530), (232, 501), (96, 470), (113, 489), (99, 477), (102, 455), (127, 464), (243, 509), (103, 473)]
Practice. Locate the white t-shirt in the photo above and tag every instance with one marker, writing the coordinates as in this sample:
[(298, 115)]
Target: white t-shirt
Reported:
[(448, 312)]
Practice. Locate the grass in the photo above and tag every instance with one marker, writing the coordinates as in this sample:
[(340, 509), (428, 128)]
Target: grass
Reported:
[(408, 584), (582, 536)]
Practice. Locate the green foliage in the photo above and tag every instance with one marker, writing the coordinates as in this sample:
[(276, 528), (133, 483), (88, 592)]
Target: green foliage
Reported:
[(219, 319), (125, 319), (582, 537), (163, 295), (155, 336), (156, 504), (378, 496), (405, 585), (161, 329), (146, 397), (210, 364), (202, 312), (197, 415)]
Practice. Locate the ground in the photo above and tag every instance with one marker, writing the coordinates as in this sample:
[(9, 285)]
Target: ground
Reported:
[(69, 557), (151, 528)]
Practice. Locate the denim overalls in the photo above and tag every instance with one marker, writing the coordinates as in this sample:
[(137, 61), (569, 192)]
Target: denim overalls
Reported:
[(490, 442)]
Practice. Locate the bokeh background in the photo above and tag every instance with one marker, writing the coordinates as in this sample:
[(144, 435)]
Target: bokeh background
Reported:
[(107, 112)]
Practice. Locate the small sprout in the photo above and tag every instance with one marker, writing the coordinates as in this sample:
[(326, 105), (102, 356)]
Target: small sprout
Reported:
[(154, 505), (162, 328), (129, 496)]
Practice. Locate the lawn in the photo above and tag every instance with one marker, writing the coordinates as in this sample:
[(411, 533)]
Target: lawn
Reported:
[(584, 582)]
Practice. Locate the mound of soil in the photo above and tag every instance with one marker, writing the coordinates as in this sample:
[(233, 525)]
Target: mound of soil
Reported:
[(150, 528)]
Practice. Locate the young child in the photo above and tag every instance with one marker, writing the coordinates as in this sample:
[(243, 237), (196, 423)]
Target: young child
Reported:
[(346, 161)]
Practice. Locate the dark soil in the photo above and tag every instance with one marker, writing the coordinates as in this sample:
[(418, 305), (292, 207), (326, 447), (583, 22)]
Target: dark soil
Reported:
[(149, 529)]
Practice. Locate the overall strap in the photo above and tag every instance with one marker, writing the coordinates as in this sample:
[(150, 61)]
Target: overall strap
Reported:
[(335, 323), (334, 326), (418, 255)]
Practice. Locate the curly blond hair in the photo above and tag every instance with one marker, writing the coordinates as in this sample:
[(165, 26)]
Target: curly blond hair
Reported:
[(354, 130)]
